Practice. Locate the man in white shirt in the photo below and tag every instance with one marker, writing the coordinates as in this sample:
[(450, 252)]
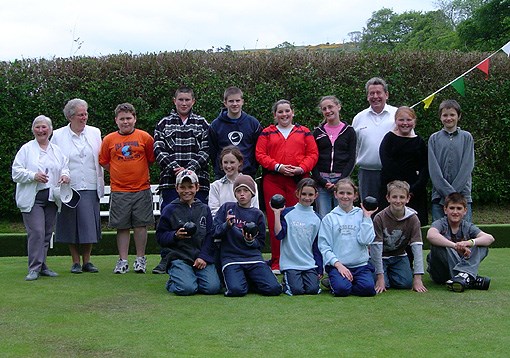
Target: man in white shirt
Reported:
[(371, 125)]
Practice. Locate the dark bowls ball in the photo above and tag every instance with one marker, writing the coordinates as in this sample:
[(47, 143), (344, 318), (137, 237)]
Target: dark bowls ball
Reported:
[(370, 203), (277, 201), (190, 227), (251, 228)]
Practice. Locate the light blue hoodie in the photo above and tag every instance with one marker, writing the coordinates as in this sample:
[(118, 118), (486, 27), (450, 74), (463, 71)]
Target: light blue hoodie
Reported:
[(345, 237)]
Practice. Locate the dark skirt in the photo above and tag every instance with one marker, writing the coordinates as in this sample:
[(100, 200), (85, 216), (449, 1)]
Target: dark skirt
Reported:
[(81, 225)]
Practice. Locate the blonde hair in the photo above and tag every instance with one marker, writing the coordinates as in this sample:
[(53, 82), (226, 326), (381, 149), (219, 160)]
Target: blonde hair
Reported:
[(398, 185)]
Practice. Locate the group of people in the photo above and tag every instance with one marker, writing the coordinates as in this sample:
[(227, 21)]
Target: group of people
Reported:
[(212, 234)]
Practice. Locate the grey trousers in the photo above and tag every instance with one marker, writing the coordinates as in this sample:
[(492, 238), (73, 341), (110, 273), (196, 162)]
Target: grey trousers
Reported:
[(444, 262), (369, 183), (39, 223)]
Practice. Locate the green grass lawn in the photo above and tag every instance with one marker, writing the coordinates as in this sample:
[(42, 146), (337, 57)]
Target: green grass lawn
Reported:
[(132, 315)]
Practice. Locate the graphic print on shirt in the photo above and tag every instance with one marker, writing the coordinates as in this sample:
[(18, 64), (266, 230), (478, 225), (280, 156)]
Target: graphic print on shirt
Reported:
[(235, 137), (125, 151), (394, 240)]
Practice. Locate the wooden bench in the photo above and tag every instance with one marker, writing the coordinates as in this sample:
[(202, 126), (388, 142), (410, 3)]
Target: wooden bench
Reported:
[(104, 202)]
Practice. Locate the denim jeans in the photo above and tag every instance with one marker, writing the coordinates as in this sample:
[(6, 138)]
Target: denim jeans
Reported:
[(397, 272), (185, 280), (325, 201)]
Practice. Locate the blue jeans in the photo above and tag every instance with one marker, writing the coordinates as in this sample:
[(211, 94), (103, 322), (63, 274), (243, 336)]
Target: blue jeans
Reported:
[(397, 272), (185, 280), (326, 200), (438, 212)]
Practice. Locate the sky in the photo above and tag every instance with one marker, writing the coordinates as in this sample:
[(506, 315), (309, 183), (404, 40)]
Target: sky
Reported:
[(64, 28)]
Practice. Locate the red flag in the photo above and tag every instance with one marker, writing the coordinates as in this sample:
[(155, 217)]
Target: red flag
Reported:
[(484, 67)]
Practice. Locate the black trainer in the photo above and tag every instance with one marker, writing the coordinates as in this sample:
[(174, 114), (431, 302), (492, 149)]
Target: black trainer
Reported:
[(459, 282), (481, 283), (161, 267)]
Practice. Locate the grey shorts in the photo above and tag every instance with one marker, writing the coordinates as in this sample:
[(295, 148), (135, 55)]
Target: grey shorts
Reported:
[(130, 210)]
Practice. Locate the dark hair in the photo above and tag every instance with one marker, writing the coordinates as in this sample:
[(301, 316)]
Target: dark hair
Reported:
[(376, 81), (455, 198), (232, 149), (306, 182), (450, 103), (184, 90), (232, 91), (125, 107)]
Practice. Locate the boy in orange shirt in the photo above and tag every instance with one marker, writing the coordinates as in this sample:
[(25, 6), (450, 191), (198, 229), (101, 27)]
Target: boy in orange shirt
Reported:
[(127, 154)]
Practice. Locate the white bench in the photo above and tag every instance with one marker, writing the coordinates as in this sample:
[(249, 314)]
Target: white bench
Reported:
[(105, 201)]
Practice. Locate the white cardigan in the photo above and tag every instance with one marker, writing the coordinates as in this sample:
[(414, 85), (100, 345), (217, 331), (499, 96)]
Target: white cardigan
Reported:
[(24, 168), (63, 138)]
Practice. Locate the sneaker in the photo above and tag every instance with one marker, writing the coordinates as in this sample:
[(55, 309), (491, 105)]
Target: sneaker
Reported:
[(48, 272), (481, 283), (459, 282), (32, 276), (161, 268), (89, 267), (76, 268), (122, 266), (276, 271), (140, 264), (325, 282)]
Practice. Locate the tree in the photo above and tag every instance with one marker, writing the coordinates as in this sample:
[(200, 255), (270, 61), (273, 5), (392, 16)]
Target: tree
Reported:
[(411, 30), (458, 10), (488, 28)]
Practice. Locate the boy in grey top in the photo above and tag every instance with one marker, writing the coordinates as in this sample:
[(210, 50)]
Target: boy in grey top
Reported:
[(451, 160), (457, 247)]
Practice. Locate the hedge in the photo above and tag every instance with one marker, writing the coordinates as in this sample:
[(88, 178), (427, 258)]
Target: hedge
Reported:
[(30, 87)]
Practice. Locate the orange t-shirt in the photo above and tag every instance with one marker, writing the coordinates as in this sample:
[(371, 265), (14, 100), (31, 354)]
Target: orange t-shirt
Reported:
[(129, 157)]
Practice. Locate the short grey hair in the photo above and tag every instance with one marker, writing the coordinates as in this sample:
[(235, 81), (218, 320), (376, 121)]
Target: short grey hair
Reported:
[(42, 118), (376, 81), (70, 107)]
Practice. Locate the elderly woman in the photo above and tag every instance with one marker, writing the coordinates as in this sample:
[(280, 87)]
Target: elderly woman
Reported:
[(80, 227), (39, 166)]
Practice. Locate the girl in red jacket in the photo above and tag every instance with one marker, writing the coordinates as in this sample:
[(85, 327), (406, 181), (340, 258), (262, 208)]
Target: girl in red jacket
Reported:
[(287, 153)]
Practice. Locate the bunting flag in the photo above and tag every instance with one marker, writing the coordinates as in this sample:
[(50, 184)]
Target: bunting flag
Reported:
[(484, 67), (506, 48), (458, 84), (427, 101)]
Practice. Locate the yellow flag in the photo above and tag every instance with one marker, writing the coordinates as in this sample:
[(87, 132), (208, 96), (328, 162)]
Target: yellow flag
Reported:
[(427, 101)]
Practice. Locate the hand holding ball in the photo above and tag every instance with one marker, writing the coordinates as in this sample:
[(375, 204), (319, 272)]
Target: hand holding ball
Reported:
[(370, 203), (190, 227), (277, 201), (250, 228)]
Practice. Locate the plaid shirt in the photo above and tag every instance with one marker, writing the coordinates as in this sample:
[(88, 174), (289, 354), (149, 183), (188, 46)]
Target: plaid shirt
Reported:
[(182, 145)]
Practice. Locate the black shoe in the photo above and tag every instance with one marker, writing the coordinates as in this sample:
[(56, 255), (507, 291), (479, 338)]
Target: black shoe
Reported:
[(325, 282), (161, 268), (459, 282), (76, 268), (89, 267), (48, 272), (480, 283)]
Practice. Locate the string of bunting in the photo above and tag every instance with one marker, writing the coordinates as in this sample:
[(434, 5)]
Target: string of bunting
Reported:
[(458, 83)]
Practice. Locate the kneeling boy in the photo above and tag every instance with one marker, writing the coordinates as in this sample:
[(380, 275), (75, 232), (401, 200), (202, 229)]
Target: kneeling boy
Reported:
[(457, 248), (242, 263), (396, 227), (185, 228)]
